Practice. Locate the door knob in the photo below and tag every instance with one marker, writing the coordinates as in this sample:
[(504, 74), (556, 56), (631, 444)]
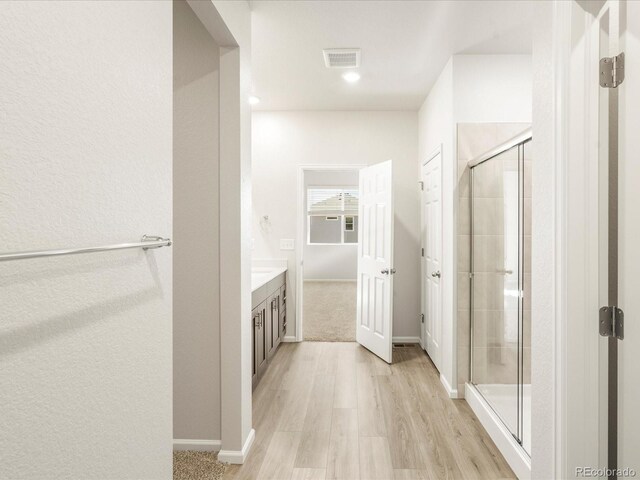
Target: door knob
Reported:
[(388, 271), (436, 274)]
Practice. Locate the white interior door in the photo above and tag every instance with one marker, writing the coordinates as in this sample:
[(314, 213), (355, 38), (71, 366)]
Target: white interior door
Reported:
[(375, 260), (432, 244)]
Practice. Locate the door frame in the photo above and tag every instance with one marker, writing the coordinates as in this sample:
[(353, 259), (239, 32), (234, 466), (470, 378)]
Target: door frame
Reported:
[(236, 421), (301, 236), (423, 298), (566, 345)]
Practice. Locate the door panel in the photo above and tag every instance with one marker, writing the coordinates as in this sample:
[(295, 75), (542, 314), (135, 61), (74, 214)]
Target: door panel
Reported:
[(432, 241), (375, 260)]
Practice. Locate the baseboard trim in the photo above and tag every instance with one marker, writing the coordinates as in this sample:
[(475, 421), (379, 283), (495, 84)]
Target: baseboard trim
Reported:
[(238, 457), (406, 340), (180, 444), (452, 392), (289, 339)]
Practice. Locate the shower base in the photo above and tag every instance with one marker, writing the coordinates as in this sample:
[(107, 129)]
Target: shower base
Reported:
[(503, 398)]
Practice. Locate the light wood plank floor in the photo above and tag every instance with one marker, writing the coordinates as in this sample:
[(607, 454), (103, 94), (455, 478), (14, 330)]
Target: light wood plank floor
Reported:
[(336, 411)]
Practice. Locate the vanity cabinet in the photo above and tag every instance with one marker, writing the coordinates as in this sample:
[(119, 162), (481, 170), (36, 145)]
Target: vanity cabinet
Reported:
[(273, 317), (282, 320), (268, 320), (259, 342)]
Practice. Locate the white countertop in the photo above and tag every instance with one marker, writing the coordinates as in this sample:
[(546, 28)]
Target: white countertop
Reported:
[(263, 275)]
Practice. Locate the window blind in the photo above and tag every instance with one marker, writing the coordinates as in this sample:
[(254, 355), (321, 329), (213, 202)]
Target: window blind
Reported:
[(332, 201)]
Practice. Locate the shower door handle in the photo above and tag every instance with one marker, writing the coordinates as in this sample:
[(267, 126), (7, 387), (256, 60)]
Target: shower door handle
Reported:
[(436, 274)]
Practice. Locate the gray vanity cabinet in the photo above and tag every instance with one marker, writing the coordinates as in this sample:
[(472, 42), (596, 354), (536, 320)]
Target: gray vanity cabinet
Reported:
[(268, 321), (273, 316), (259, 341), (282, 318)]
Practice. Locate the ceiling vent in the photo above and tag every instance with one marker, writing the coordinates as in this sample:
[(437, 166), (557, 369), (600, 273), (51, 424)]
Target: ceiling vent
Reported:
[(341, 57)]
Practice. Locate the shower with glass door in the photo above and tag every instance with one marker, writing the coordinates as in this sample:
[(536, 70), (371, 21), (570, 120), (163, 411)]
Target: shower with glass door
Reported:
[(501, 283)]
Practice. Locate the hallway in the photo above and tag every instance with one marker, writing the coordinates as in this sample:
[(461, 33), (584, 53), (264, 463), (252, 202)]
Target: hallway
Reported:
[(335, 411)]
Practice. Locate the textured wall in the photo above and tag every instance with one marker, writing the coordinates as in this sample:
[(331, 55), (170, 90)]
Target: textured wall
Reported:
[(196, 285), (85, 159)]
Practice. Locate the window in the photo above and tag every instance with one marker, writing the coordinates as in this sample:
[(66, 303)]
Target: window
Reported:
[(348, 224), (332, 215)]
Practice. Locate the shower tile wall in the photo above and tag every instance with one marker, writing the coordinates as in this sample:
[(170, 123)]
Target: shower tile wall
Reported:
[(474, 139)]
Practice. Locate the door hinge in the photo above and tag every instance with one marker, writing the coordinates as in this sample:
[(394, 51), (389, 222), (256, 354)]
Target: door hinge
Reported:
[(421, 185), (612, 322), (422, 250), (422, 318), (612, 71)]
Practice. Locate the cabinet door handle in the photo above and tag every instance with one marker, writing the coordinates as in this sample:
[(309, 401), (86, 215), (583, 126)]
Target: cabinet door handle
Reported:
[(256, 323)]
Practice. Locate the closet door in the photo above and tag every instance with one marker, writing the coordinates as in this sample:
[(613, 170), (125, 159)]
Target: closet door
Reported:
[(432, 267)]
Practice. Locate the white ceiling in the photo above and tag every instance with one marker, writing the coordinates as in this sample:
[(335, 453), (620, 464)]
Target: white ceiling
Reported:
[(405, 45)]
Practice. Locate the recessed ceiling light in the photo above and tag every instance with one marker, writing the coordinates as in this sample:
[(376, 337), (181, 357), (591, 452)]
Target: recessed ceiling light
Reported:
[(351, 77), (253, 100)]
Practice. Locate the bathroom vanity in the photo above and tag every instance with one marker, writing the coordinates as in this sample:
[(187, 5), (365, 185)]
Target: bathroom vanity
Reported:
[(268, 316)]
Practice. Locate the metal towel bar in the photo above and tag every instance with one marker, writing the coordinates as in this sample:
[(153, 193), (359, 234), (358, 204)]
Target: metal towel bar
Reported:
[(146, 243)]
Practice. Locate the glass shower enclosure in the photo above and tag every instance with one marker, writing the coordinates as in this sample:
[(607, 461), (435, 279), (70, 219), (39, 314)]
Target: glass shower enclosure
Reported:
[(501, 283)]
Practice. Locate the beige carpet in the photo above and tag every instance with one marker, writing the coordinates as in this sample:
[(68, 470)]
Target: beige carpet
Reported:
[(191, 465), (329, 311)]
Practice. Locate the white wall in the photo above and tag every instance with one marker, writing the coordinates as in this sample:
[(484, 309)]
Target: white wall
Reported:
[(282, 141), (330, 262), (86, 159), (492, 88), (543, 249), (196, 271), (471, 88)]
